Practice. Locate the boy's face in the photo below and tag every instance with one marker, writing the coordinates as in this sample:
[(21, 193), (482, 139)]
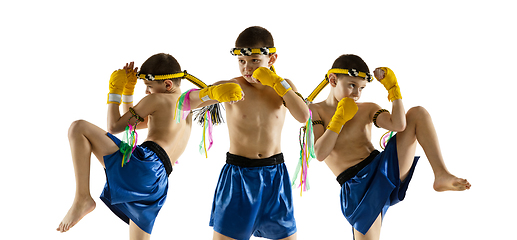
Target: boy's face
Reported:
[(347, 86), (248, 64), (155, 87)]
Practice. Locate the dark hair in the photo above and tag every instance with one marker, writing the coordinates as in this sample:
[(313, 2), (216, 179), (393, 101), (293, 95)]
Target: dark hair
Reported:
[(350, 61), (161, 64), (254, 37)]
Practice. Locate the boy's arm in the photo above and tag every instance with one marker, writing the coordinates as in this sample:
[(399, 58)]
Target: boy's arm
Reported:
[(129, 89), (121, 87), (346, 110), (285, 89), (324, 141), (396, 121), (118, 123), (222, 91), (296, 104), (125, 109)]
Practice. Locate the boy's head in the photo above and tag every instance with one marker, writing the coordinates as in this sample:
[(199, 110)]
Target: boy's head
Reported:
[(160, 64), (254, 37), (263, 55), (351, 84)]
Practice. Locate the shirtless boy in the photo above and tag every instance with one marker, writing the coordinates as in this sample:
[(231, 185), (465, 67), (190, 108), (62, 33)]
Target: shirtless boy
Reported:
[(253, 195), (136, 186), (371, 180)]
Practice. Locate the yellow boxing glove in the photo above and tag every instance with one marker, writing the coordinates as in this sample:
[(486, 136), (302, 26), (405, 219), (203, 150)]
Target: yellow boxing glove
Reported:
[(117, 83), (225, 92), (346, 110), (269, 78), (390, 83), (129, 88)]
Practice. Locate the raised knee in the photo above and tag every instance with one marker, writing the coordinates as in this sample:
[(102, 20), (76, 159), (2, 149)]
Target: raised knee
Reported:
[(418, 110), (76, 127), (417, 113)]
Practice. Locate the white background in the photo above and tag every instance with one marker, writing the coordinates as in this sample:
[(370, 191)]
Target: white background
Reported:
[(456, 58)]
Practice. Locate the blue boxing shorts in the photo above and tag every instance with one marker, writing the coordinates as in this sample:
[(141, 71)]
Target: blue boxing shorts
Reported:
[(372, 186), (253, 197), (138, 190)]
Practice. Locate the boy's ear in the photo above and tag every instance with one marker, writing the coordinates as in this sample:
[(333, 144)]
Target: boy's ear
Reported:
[(168, 84), (333, 79), (272, 59)]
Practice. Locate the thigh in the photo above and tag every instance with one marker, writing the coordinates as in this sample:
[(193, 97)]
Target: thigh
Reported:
[(218, 236), (406, 148), (135, 233), (101, 144), (373, 233)]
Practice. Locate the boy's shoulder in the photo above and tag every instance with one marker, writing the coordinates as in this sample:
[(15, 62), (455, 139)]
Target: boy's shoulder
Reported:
[(323, 107), (159, 100), (233, 80), (368, 108)]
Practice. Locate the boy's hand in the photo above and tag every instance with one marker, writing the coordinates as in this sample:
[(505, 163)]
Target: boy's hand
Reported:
[(226, 92), (131, 71), (386, 76), (269, 78), (117, 83), (346, 110)]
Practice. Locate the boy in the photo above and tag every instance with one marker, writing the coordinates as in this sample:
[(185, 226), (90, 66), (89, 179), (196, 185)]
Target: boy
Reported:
[(253, 195), (137, 182), (372, 181)]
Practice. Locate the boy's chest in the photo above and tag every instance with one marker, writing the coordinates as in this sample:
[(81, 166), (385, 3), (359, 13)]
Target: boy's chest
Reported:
[(356, 128), (257, 105)]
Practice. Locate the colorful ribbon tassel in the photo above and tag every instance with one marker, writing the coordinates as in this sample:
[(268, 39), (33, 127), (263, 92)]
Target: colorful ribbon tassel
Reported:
[(306, 155)]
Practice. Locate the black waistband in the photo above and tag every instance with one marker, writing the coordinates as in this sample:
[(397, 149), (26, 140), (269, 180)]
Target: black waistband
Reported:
[(160, 153), (248, 162), (353, 170)]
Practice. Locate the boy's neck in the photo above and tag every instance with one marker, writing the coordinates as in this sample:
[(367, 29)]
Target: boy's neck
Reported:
[(331, 100), (174, 90)]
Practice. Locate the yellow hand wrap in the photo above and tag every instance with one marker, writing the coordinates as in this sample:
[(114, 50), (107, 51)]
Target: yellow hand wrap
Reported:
[(117, 83), (390, 83), (226, 92), (346, 109), (269, 78), (129, 89)]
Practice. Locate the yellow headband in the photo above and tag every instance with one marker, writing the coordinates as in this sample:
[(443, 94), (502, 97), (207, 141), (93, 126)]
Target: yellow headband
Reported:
[(184, 74), (250, 51), (350, 72)]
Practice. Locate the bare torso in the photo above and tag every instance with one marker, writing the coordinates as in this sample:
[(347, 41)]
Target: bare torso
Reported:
[(354, 141), (171, 136), (255, 123)]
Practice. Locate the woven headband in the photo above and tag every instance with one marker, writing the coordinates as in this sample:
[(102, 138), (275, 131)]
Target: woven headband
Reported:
[(184, 74), (250, 51), (351, 72)]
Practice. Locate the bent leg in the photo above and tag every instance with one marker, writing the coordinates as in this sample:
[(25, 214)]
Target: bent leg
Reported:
[(136, 233), (373, 233), (85, 139), (420, 128)]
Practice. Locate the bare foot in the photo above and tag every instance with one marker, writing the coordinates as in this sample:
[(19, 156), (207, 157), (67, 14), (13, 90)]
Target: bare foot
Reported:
[(78, 210), (449, 182)]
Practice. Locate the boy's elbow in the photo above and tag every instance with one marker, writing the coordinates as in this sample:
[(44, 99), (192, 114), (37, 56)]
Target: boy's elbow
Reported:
[(113, 128), (401, 127), (320, 155), (303, 117)]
